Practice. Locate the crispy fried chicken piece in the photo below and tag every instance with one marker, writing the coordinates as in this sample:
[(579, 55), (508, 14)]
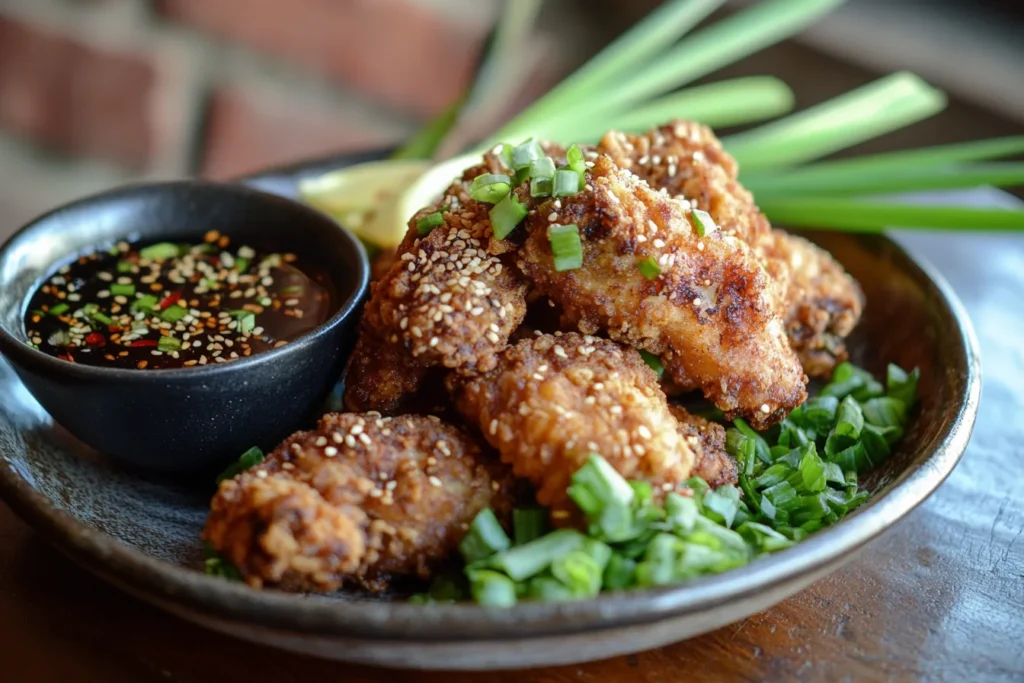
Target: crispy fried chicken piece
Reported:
[(707, 439), (358, 500), (710, 314), (823, 303), (820, 302), (445, 303), (553, 400)]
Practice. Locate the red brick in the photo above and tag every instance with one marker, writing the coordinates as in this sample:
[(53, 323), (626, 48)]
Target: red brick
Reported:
[(247, 132), (74, 98), (396, 52)]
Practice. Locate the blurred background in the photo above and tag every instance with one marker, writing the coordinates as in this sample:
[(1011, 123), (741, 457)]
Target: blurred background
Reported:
[(98, 92)]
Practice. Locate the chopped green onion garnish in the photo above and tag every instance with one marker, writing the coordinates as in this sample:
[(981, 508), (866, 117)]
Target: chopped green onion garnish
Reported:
[(653, 362), (173, 314), (579, 572), (649, 268), (492, 589), (241, 264), (124, 266), (117, 289), (249, 459), (566, 247), (703, 223), (428, 223), (144, 303), (549, 589), (159, 252), (484, 538), (168, 343), (58, 309), (530, 559), (544, 167), (215, 565), (885, 412), (528, 524), (96, 315), (506, 215), (247, 323), (575, 161), (490, 187), (541, 187), (902, 385), (567, 183), (524, 154)]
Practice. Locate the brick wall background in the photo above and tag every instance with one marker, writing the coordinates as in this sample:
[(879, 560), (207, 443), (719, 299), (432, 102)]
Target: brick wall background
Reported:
[(98, 92)]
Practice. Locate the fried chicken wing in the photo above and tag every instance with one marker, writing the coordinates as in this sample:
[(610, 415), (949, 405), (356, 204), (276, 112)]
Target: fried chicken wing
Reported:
[(820, 302), (553, 400), (358, 500), (445, 303), (707, 439), (823, 303), (709, 313)]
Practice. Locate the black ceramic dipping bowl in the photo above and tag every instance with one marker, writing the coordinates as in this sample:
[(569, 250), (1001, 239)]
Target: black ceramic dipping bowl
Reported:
[(195, 419)]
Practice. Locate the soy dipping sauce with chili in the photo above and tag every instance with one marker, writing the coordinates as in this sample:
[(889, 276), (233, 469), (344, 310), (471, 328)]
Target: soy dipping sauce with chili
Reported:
[(169, 305)]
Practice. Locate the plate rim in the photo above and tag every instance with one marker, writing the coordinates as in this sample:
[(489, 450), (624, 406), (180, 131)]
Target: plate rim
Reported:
[(376, 620)]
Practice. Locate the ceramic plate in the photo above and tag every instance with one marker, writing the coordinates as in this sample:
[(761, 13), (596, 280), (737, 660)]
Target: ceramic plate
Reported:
[(144, 536)]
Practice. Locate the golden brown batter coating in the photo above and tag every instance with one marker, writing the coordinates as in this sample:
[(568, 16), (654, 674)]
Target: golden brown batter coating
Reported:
[(707, 439), (710, 313), (555, 399), (820, 302), (445, 303), (823, 303), (359, 500)]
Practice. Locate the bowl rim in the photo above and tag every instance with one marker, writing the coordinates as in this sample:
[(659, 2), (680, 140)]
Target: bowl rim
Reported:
[(217, 600), (22, 353)]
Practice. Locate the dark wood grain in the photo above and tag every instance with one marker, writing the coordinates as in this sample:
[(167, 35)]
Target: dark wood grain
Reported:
[(938, 598)]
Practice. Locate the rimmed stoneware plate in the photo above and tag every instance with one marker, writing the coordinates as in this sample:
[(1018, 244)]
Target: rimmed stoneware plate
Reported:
[(144, 536)]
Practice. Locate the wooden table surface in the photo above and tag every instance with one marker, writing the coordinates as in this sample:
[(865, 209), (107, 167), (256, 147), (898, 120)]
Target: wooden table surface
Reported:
[(938, 598)]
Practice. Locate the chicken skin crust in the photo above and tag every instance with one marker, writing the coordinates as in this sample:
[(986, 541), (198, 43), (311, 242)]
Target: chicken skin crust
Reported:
[(819, 301), (444, 303), (359, 500), (709, 312), (553, 400), (707, 439)]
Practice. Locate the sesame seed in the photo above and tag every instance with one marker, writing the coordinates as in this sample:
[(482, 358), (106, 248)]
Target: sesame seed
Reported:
[(336, 437), (643, 431), (365, 439), (493, 429), (321, 441), (434, 481), (553, 216), (330, 451), (765, 408), (696, 302)]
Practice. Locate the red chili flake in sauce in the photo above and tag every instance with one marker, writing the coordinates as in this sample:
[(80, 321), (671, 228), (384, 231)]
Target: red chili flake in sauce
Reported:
[(96, 339), (170, 300)]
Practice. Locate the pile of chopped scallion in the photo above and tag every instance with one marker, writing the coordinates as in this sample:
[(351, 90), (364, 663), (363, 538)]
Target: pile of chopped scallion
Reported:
[(794, 479)]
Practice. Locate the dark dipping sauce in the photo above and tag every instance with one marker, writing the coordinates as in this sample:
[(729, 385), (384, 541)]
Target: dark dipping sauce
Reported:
[(176, 305)]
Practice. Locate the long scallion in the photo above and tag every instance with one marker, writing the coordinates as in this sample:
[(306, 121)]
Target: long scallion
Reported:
[(885, 105), (876, 216)]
